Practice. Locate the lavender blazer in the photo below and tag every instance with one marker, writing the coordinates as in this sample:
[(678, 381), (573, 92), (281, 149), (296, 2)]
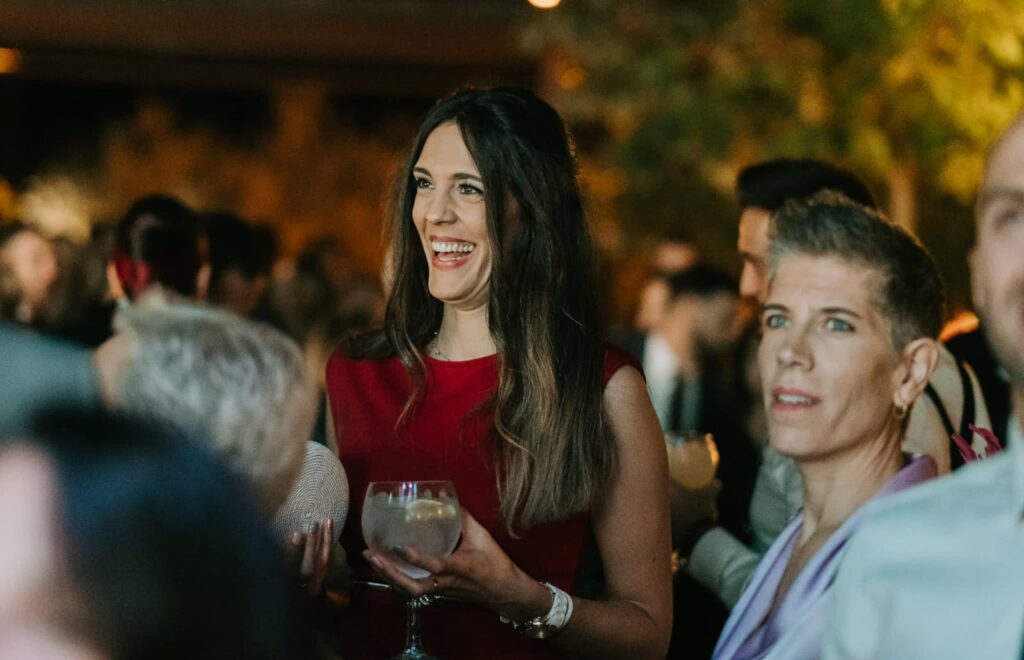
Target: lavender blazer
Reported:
[(795, 629)]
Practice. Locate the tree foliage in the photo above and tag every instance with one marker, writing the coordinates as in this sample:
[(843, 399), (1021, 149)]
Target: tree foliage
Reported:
[(907, 93)]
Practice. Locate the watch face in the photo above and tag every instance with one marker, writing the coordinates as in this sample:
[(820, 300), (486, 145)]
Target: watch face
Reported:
[(539, 631)]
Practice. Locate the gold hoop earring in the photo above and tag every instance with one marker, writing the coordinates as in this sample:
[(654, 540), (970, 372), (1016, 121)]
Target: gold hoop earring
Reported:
[(899, 412)]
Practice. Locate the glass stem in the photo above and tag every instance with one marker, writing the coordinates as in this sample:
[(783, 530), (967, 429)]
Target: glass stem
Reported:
[(412, 626)]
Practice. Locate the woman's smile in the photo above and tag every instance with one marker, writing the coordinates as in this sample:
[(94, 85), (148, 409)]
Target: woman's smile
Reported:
[(450, 253)]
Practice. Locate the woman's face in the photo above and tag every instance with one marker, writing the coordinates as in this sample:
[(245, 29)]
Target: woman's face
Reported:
[(827, 364), (33, 261), (451, 219)]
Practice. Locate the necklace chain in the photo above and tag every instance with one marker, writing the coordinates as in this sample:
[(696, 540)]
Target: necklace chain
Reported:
[(435, 350)]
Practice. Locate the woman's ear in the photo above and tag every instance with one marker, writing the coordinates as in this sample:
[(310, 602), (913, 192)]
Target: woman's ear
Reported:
[(917, 363)]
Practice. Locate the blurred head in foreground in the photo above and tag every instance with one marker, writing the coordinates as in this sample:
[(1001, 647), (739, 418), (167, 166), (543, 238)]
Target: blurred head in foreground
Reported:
[(243, 385), (125, 540)]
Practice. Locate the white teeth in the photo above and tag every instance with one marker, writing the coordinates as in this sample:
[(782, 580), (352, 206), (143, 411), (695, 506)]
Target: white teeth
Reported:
[(792, 399), (438, 246)]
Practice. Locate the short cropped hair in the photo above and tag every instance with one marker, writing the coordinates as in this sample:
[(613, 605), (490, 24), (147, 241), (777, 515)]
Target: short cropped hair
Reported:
[(701, 281), (771, 184), (242, 385), (912, 294)]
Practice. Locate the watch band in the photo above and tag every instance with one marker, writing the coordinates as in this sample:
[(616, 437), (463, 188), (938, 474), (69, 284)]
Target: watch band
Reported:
[(551, 623)]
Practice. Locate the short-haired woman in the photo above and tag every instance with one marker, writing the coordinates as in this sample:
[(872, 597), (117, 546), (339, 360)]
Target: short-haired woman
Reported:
[(850, 323), (491, 372)]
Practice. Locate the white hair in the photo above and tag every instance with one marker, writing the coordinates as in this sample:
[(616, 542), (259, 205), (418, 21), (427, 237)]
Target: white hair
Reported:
[(242, 385)]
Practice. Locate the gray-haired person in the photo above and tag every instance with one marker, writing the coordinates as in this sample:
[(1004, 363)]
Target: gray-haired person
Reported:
[(243, 385)]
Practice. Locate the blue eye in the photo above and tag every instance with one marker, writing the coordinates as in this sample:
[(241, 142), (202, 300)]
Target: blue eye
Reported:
[(774, 321), (838, 325)]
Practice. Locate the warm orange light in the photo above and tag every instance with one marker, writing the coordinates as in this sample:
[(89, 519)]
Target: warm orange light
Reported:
[(572, 77), (10, 60), (965, 321), (545, 4)]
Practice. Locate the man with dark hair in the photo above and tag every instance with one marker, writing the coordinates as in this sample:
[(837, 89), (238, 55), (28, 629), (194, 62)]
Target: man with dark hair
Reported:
[(241, 259), (683, 356), (763, 188), (159, 244), (698, 322)]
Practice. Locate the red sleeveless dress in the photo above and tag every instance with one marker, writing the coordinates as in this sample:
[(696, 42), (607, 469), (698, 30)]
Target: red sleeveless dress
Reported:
[(448, 438)]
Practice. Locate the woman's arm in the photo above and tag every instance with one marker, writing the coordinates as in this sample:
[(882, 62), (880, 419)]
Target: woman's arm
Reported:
[(632, 531)]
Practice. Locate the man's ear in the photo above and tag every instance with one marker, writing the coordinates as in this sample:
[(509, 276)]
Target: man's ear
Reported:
[(917, 362)]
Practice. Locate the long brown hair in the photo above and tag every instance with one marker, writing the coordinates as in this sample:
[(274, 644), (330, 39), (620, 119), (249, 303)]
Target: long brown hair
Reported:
[(555, 454)]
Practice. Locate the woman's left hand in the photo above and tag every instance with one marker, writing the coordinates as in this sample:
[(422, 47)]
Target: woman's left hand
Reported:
[(479, 571), (309, 556)]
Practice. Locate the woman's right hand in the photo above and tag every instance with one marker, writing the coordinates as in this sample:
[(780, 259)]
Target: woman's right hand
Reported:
[(479, 571)]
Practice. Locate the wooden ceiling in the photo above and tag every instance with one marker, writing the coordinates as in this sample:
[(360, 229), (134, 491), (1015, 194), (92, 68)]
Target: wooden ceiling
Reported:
[(397, 47)]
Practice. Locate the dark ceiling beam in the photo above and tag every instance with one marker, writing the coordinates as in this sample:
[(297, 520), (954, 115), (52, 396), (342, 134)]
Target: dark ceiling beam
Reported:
[(396, 48), (434, 33)]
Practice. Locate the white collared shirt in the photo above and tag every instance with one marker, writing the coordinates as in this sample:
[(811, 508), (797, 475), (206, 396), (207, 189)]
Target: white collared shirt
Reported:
[(661, 369), (938, 572)]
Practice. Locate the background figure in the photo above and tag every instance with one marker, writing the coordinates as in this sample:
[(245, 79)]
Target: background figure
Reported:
[(242, 384), (159, 244), (82, 304), (241, 260), (973, 348), (686, 364), (28, 271), (123, 540), (40, 372), (672, 254), (298, 299), (763, 188), (937, 571), (850, 338), (698, 326)]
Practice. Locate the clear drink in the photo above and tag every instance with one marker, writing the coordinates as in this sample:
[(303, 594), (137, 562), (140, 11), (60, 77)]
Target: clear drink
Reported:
[(692, 459), (425, 519)]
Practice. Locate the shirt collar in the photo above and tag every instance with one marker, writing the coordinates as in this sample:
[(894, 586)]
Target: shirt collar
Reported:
[(660, 361)]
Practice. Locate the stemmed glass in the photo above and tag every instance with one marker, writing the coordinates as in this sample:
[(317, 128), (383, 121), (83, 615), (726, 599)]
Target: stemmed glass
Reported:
[(692, 458), (422, 515)]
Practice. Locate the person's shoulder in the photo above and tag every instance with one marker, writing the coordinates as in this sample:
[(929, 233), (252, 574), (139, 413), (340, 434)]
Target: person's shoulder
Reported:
[(968, 497), (359, 353)]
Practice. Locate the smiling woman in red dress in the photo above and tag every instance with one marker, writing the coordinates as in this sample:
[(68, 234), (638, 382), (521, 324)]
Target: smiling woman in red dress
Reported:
[(491, 372)]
